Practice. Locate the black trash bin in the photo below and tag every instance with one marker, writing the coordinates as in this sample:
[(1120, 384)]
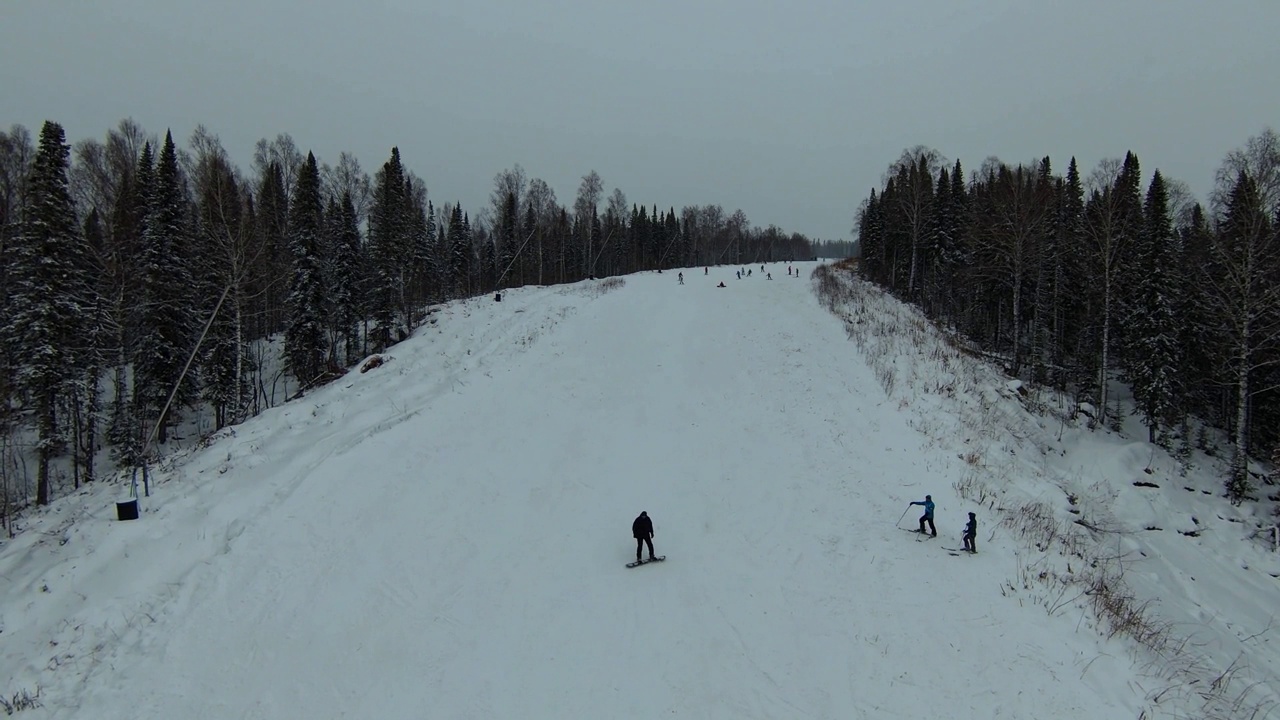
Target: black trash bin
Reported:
[(127, 509)]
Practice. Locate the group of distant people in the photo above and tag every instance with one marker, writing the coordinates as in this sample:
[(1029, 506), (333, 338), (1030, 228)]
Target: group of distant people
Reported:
[(970, 536), (642, 529), (741, 273)]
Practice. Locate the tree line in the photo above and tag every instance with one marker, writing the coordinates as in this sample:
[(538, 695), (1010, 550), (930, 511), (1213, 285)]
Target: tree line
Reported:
[(120, 257), (1079, 280), (838, 249)]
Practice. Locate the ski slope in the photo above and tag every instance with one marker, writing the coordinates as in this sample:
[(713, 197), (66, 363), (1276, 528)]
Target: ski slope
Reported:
[(445, 536)]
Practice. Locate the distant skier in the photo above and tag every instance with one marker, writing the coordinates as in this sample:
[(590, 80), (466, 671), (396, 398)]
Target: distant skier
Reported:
[(642, 531), (681, 276), (927, 517), (971, 534), (768, 276), (706, 270), (739, 274)]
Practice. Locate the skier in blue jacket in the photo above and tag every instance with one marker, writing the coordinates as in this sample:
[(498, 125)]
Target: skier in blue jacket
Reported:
[(928, 514)]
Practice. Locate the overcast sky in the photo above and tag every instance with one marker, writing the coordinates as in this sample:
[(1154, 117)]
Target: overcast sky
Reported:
[(788, 110)]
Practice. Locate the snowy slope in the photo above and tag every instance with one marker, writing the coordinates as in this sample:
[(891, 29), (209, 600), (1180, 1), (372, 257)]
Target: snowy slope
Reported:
[(1105, 518), (444, 536)]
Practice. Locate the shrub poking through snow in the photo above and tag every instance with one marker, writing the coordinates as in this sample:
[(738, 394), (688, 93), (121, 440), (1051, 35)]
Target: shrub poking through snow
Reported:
[(19, 701)]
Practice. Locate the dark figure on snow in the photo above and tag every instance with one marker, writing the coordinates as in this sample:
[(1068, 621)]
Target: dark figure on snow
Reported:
[(739, 274), (768, 276), (721, 284), (681, 276), (706, 270), (927, 517), (971, 534), (642, 531)]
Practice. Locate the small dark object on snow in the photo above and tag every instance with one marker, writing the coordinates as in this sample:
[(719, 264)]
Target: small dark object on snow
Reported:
[(127, 509), (497, 297)]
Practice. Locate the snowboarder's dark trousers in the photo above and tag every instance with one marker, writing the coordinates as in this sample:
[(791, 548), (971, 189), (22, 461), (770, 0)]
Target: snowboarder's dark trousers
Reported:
[(640, 542), (926, 519), (970, 544)]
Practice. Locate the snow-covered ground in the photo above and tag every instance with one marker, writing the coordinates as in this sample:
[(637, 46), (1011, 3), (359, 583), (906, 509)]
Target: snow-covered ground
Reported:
[(445, 535)]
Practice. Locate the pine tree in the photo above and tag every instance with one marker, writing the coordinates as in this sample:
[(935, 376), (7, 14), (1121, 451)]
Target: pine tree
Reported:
[(387, 252), (1128, 194), (46, 297), (1044, 258), (1073, 318), (420, 255), (871, 240), (1198, 336), (304, 342), (469, 247), (1153, 341), (347, 271), (459, 254), (940, 272), (662, 242), (436, 257), (166, 318), (271, 269), (486, 259), (133, 205), (531, 230), (507, 237), (95, 339)]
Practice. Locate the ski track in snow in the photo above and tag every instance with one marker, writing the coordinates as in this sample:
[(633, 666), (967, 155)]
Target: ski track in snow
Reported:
[(445, 536)]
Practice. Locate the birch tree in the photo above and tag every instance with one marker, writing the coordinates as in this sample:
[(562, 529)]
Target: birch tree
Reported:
[(1246, 297)]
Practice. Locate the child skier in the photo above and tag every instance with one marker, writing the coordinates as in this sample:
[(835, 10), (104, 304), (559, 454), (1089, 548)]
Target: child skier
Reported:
[(927, 503)]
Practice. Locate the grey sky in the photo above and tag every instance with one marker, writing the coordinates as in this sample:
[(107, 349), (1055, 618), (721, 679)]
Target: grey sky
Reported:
[(789, 111)]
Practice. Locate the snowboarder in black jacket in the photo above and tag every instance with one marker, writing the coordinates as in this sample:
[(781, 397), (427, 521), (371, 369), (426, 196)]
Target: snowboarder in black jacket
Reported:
[(642, 531), (971, 534)]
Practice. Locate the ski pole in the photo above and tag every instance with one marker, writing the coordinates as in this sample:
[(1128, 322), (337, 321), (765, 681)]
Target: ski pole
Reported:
[(904, 514)]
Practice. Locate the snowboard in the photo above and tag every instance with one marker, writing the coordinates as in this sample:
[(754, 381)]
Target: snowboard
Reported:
[(638, 563)]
